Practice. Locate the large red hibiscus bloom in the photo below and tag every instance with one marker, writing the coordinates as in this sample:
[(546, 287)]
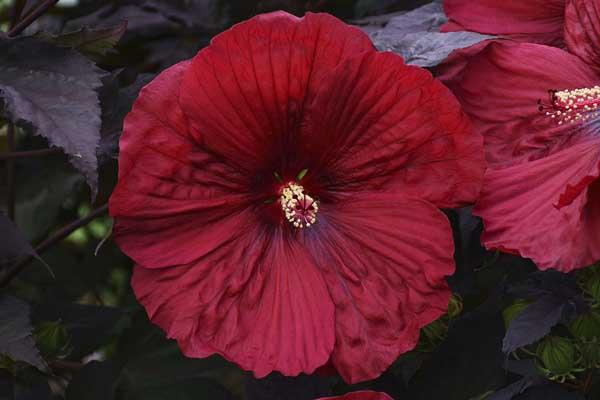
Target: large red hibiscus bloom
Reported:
[(571, 23), (279, 194), (361, 395), (537, 108)]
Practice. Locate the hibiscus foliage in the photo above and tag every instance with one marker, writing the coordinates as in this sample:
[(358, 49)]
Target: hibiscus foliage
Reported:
[(140, 301)]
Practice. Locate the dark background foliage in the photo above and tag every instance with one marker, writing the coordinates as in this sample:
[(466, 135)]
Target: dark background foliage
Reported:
[(70, 327)]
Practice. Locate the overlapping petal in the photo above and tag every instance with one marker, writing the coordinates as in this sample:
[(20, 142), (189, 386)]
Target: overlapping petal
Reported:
[(395, 284), (582, 30), (538, 21), (378, 124), (360, 395), (259, 301), (500, 89), (171, 191), (247, 92), (525, 209)]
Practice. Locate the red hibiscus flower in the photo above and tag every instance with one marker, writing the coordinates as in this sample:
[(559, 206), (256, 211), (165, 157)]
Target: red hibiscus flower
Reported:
[(537, 108), (362, 395), (571, 23), (279, 194)]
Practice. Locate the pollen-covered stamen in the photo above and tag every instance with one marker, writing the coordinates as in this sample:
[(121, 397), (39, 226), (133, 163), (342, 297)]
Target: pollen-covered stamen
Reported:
[(570, 106), (299, 208)]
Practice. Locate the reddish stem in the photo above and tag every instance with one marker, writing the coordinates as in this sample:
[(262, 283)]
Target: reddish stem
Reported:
[(56, 237), (29, 153), (31, 17)]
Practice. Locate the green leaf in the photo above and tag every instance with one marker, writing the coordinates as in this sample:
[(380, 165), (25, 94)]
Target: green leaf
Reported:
[(94, 43)]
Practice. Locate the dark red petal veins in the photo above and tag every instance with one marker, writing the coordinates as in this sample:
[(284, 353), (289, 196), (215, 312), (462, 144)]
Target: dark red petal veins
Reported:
[(541, 209), (500, 89), (259, 301), (538, 21), (245, 94), (171, 192), (380, 124), (361, 395), (385, 259), (582, 30)]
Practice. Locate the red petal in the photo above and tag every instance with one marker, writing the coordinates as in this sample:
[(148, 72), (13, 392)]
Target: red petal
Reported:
[(380, 124), (582, 30), (170, 191), (525, 208), (245, 94), (538, 21), (500, 88), (361, 395), (258, 301), (385, 259)]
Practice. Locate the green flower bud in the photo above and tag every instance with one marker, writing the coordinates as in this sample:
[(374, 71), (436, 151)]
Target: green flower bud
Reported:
[(590, 354), (432, 335), (557, 354), (52, 338), (592, 286), (586, 326), (513, 310), (455, 306)]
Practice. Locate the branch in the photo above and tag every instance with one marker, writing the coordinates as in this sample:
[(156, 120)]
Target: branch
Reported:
[(10, 173), (31, 17), (16, 12), (56, 237), (66, 365), (29, 153)]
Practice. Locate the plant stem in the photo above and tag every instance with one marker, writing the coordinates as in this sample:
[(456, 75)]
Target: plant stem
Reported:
[(56, 237), (31, 17), (16, 12), (29, 153), (66, 365), (10, 173)]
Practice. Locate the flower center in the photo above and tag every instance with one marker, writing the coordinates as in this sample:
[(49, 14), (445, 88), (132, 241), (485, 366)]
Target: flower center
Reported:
[(569, 106), (299, 208)]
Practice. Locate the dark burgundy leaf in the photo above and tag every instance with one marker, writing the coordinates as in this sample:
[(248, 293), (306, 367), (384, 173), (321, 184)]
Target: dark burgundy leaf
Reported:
[(472, 349), (28, 385), (96, 381), (16, 340), (14, 244), (116, 103), (154, 17), (549, 392), (518, 387), (371, 7), (53, 90), (415, 37), (276, 386), (534, 322)]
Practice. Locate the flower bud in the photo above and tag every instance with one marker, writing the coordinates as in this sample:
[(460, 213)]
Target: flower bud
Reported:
[(433, 334), (586, 326), (513, 310), (590, 353), (52, 338), (455, 306), (592, 286), (557, 354)]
